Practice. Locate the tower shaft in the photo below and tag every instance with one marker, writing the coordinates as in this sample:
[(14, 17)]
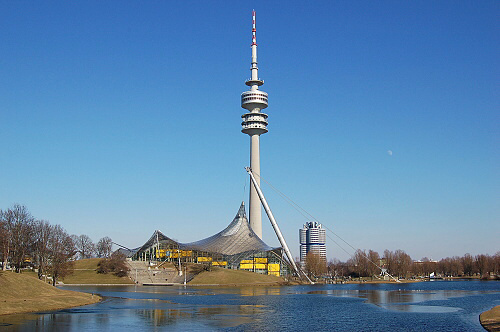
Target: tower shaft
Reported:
[(255, 211)]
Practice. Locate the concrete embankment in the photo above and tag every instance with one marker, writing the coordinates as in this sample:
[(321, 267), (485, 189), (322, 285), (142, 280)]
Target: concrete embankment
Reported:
[(22, 294), (490, 319)]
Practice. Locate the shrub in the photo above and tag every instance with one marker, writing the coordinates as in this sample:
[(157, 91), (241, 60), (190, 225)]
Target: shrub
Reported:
[(115, 264)]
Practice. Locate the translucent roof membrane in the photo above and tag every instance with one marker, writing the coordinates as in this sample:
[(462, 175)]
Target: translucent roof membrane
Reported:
[(236, 238)]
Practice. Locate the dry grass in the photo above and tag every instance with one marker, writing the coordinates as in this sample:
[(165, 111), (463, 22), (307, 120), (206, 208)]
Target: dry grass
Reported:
[(85, 273), (226, 277), (90, 263), (22, 293), (490, 319)]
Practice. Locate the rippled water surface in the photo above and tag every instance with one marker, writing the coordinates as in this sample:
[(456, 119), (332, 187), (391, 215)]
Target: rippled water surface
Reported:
[(424, 306)]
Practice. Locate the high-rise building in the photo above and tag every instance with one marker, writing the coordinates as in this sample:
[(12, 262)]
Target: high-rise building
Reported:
[(312, 237), (254, 124)]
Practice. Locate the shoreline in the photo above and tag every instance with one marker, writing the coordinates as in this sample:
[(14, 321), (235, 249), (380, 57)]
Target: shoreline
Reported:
[(239, 285), (284, 283), (23, 294), (47, 307), (62, 285), (490, 319), (382, 282)]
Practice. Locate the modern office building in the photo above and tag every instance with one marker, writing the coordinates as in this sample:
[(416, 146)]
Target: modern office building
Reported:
[(312, 237)]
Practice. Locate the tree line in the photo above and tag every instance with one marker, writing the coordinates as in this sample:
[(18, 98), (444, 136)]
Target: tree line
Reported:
[(400, 265), (26, 241)]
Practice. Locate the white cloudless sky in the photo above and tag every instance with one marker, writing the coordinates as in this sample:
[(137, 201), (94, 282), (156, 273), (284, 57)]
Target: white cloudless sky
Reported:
[(119, 118)]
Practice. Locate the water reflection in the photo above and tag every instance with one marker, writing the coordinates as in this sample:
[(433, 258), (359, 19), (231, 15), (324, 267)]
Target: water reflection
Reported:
[(400, 299), (261, 291), (216, 316), (421, 308), (153, 313)]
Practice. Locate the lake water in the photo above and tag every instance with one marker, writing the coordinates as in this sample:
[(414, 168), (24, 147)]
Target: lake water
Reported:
[(424, 306)]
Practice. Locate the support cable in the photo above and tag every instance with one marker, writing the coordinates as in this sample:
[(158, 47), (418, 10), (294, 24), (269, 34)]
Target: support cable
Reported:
[(244, 190), (307, 215)]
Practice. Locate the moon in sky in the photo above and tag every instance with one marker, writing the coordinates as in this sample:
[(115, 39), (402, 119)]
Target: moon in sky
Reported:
[(389, 152)]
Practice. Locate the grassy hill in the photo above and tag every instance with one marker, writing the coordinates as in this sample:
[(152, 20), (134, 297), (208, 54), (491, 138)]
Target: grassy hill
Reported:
[(490, 319), (21, 293), (227, 277), (85, 273)]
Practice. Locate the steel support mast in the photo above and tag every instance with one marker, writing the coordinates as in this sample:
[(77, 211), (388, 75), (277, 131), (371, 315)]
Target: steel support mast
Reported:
[(275, 226)]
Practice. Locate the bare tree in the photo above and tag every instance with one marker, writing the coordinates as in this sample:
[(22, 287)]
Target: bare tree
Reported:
[(468, 264), (333, 267), (41, 251), (62, 249), (5, 239), (417, 268), (482, 264), (103, 248), (402, 262), (20, 228), (360, 262), (116, 264), (84, 246), (373, 263), (390, 263), (315, 266), (496, 263), (428, 266)]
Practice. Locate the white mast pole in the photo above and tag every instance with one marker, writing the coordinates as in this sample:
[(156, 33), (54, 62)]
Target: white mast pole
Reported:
[(275, 225)]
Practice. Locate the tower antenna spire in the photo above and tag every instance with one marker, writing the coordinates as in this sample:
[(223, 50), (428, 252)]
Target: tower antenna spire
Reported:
[(254, 29)]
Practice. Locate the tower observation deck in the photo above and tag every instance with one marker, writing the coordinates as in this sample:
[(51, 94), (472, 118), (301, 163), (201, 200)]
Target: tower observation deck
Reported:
[(254, 124)]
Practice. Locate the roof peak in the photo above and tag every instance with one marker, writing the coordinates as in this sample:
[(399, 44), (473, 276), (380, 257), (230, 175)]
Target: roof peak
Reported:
[(241, 212)]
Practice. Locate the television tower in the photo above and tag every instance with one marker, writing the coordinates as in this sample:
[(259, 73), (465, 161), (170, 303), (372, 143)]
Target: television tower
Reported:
[(254, 124)]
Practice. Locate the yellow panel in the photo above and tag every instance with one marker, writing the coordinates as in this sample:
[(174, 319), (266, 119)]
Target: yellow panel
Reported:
[(219, 263), (273, 273), (204, 259), (261, 266), (246, 266), (260, 260), (273, 267), (246, 261)]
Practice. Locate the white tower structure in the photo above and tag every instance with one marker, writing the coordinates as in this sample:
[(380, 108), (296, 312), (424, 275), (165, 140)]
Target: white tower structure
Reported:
[(312, 239), (254, 124)]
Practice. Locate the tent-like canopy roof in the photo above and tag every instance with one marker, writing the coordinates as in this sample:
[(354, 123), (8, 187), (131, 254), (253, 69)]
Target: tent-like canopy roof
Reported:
[(236, 238)]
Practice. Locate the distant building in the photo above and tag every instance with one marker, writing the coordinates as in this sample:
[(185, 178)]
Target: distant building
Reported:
[(312, 239)]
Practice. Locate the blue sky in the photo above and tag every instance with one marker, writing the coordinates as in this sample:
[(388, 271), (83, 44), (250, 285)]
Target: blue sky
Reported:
[(119, 118)]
